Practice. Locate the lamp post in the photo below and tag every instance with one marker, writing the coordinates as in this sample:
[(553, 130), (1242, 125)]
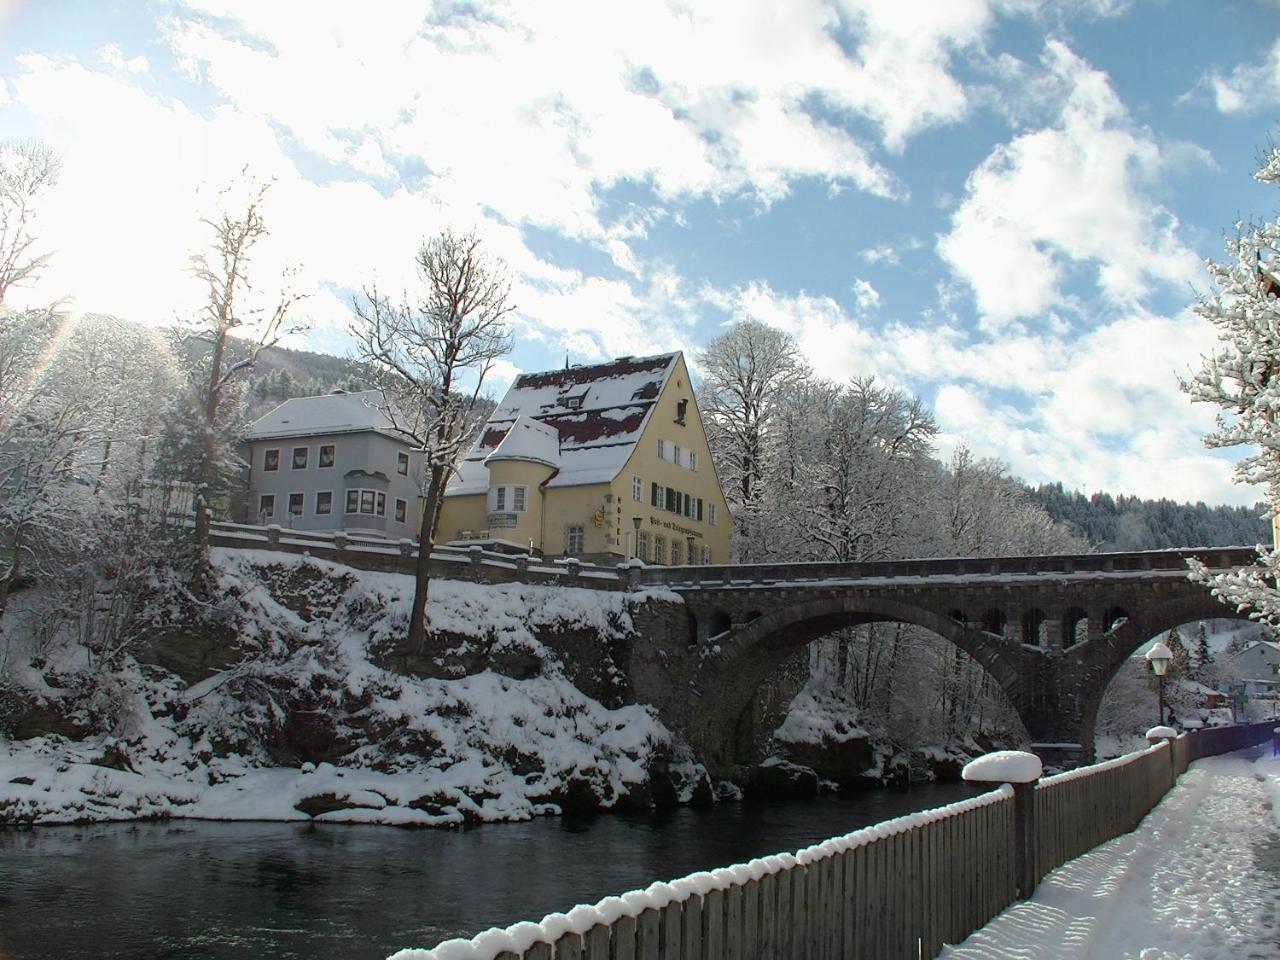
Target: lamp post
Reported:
[(1159, 656), (636, 551)]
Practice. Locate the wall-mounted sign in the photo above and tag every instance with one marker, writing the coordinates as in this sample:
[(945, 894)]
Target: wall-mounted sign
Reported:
[(501, 520), (674, 527)]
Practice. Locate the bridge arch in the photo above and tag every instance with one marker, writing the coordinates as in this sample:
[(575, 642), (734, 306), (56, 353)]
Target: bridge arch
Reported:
[(728, 677), (1101, 660)]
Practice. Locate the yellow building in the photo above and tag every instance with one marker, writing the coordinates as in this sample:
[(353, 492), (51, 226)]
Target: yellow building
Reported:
[(604, 462)]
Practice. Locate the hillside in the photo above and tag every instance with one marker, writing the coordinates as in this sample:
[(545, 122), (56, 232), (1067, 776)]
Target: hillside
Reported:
[(1132, 523)]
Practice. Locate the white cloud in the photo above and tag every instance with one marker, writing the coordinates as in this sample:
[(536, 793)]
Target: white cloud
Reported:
[(1247, 86), (866, 296), (113, 56), (1076, 193)]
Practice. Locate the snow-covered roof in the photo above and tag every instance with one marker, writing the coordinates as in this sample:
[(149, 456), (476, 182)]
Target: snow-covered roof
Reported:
[(598, 414), (1267, 646), (530, 440), (332, 413)]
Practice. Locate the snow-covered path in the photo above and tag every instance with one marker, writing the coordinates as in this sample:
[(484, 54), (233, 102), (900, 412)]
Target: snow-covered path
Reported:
[(1198, 879)]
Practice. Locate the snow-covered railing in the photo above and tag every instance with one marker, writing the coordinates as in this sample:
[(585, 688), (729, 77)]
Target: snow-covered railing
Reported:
[(1082, 564), (368, 551), (896, 890)]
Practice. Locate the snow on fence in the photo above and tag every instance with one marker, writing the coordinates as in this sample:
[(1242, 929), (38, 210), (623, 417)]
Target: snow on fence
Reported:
[(400, 556), (899, 889)]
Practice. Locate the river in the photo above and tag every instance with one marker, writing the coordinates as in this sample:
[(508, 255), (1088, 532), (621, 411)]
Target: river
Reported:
[(195, 889)]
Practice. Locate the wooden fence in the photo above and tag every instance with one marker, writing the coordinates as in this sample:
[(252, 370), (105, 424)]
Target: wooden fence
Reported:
[(898, 890)]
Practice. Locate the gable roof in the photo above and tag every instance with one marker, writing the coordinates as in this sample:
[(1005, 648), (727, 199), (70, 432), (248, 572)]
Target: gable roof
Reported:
[(598, 412), (330, 413)]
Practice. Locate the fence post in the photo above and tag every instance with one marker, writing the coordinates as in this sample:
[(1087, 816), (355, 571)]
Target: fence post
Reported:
[(1168, 735), (1021, 771), (273, 534)]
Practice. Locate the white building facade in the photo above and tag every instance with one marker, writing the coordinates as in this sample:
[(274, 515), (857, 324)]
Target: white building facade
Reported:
[(333, 462)]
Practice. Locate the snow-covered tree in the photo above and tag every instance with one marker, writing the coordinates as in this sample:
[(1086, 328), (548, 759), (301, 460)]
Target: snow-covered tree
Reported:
[(29, 169), (1204, 656), (1242, 378), (747, 373), (430, 357)]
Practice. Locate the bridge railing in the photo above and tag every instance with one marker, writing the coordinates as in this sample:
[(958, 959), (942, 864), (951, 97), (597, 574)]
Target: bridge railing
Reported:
[(1079, 563), (898, 890)]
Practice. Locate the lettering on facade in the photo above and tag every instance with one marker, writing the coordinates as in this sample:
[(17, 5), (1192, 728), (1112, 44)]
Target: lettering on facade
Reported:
[(674, 527)]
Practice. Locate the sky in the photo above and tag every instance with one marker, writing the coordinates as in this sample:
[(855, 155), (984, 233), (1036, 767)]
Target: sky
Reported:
[(1003, 206)]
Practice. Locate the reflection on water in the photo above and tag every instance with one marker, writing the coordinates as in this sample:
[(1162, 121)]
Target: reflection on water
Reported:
[(239, 890)]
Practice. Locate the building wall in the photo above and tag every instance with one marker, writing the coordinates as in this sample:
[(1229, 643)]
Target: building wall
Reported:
[(1258, 662), (702, 482), (367, 451)]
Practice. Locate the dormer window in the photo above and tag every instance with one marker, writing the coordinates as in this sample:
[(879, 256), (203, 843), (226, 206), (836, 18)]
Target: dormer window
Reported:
[(573, 402)]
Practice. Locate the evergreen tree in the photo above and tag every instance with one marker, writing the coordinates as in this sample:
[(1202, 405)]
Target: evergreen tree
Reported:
[(1204, 656), (1180, 665)]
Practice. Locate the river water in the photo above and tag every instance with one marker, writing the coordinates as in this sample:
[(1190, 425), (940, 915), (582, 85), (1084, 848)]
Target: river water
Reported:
[(191, 889)]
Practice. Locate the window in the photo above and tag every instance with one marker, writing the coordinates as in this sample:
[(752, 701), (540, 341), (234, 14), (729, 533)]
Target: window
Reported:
[(659, 550), (677, 455), (711, 514), (669, 499), (655, 498), (401, 509), (327, 457), (402, 463), (324, 503), (688, 505), (300, 458), (296, 501), (266, 506), (518, 495), (637, 490), (642, 547), (706, 554), (682, 407), (368, 502), (499, 498), (270, 460), (693, 461), (675, 553), (575, 539), (662, 449)]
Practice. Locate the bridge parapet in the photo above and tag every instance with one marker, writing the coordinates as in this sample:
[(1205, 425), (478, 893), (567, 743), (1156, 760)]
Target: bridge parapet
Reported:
[(729, 575)]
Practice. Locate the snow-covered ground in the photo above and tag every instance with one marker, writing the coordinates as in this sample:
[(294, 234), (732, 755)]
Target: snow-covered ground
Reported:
[(1198, 880), (417, 751)]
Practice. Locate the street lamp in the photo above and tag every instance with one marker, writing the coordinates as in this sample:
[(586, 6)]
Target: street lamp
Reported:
[(1159, 656), (636, 549)]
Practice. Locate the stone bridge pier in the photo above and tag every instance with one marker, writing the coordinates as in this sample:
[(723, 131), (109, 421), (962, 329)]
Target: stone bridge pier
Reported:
[(1050, 631)]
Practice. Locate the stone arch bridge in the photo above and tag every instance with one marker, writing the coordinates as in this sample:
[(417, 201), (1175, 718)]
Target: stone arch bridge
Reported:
[(1051, 631)]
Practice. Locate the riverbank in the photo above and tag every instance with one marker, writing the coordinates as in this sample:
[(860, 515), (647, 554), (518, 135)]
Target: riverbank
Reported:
[(282, 708)]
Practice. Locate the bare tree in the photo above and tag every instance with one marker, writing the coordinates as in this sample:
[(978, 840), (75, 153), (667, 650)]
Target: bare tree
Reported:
[(28, 170), (224, 270), (431, 355)]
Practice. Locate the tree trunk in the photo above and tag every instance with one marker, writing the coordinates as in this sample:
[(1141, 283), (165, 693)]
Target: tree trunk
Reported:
[(11, 575), (422, 573)]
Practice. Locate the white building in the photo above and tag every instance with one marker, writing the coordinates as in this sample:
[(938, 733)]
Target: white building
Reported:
[(1258, 661), (333, 462)]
